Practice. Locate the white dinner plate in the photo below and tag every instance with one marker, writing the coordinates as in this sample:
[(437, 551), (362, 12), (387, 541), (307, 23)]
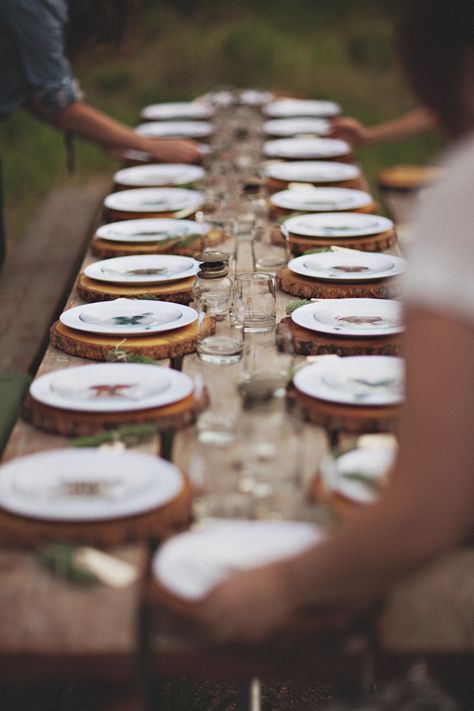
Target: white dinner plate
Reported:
[(154, 200), (191, 110), (308, 171), (142, 269), (111, 387), (175, 129), (191, 564), (321, 199), (254, 97), (128, 317), (347, 265), (351, 317), (158, 175), (337, 225), (302, 107), (356, 380), (153, 229), (360, 474), (306, 148), (87, 484), (295, 126)]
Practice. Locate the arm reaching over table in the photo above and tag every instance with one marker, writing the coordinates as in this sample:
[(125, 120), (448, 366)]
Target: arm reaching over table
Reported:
[(357, 134)]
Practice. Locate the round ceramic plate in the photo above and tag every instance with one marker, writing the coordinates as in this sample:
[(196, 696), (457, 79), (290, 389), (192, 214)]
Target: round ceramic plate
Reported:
[(347, 265), (302, 107), (351, 317), (295, 126), (254, 97), (360, 474), (309, 148), (356, 380), (312, 171), (154, 229), (175, 129), (128, 317), (87, 484), (338, 225), (191, 564), (112, 387), (157, 175), (177, 110), (154, 200), (321, 199), (142, 269)]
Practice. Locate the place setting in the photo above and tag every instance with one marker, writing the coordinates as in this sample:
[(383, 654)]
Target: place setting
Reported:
[(158, 175), (346, 327), (339, 272), (291, 107), (354, 394), (166, 277), (176, 129), (156, 235), (279, 175), (280, 128), (99, 496), (89, 399), (308, 148), (152, 202), (355, 230), (310, 199), (156, 329)]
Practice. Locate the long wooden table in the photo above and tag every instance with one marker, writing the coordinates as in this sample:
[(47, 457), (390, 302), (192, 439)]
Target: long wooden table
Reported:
[(50, 629)]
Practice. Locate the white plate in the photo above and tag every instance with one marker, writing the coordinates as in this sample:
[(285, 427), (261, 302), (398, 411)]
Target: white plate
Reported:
[(157, 175), (128, 317), (357, 380), (295, 126), (111, 387), (154, 200), (302, 107), (254, 97), (351, 317), (175, 129), (309, 148), (338, 225), (321, 199), (87, 484), (142, 269), (359, 474), (177, 110), (191, 564), (347, 265), (153, 229), (307, 171)]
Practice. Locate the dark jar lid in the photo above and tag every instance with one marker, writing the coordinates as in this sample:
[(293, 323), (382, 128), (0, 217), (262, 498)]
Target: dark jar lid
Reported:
[(212, 264)]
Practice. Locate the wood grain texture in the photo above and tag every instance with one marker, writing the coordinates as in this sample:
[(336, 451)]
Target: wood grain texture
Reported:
[(118, 215), (311, 343), (104, 249), (373, 243), (179, 292), (311, 288), (273, 185), (276, 211)]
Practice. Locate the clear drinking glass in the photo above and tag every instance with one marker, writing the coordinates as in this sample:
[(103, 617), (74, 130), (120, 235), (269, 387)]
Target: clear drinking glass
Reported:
[(254, 302), (219, 341), (269, 249)]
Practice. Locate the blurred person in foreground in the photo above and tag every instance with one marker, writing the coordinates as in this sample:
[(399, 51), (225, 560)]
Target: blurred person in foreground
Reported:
[(429, 506)]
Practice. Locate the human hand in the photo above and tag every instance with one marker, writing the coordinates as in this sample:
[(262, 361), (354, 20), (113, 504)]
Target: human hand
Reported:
[(350, 130), (171, 150)]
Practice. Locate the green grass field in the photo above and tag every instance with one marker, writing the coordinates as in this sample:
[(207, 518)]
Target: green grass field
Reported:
[(338, 50)]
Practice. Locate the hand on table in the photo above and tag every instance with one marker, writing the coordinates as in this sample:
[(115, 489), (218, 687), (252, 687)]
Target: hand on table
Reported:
[(172, 150)]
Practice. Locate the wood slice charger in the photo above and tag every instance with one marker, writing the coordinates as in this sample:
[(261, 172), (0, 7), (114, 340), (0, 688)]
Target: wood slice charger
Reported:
[(337, 417), (371, 243), (311, 288), (312, 343), (111, 215), (167, 344), (274, 185), (179, 292), (172, 517), (276, 211), (104, 249)]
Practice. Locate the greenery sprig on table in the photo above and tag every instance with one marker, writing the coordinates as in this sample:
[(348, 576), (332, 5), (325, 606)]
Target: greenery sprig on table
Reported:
[(129, 435), (60, 558)]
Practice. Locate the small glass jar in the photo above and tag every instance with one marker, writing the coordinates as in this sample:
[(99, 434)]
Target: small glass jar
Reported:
[(213, 286)]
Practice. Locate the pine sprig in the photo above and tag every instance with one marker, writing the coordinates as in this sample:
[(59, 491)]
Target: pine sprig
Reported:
[(121, 355), (60, 558), (293, 305), (130, 435)]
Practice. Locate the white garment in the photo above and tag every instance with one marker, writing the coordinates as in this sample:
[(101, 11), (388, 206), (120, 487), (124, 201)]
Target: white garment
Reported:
[(441, 258)]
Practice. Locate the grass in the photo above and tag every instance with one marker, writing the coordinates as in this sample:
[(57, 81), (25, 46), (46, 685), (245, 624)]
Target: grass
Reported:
[(180, 49)]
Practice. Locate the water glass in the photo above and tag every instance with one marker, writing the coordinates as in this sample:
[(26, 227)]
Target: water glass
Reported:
[(269, 250), (254, 302), (219, 341)]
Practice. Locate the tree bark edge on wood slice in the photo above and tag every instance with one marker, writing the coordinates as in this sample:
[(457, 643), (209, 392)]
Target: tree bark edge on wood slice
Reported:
[(274, 185), (372, 243), (311, 288), (311, 343), (277, 211), (178, 292)]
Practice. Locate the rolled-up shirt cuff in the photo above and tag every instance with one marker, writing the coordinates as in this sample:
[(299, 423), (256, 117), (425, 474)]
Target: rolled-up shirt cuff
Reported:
[(56, 98)]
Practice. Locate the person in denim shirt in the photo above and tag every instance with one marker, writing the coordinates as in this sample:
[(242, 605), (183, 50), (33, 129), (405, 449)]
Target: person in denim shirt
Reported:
[(35, 74)]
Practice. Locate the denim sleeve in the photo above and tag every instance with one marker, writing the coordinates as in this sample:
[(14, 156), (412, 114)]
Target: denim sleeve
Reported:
[(38, 27)]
